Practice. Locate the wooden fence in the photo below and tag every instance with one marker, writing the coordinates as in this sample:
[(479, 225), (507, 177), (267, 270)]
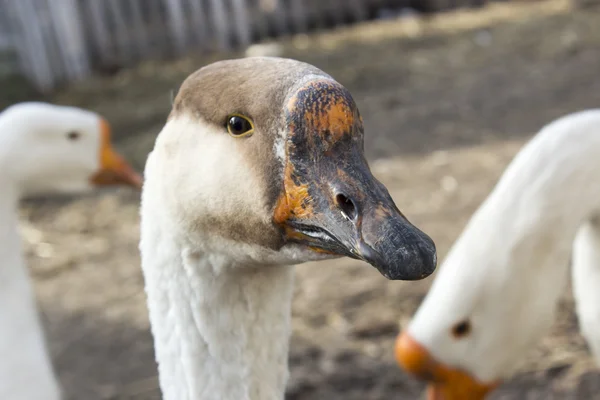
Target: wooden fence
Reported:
[(66, 40)]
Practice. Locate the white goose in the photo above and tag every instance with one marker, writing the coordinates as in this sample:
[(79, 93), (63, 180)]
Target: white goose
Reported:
[(497, 291), (260, 166), (43, 148)]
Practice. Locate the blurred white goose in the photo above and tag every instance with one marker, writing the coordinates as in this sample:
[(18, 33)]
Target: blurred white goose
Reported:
[(497, 291), (43, 148), (260, 166)]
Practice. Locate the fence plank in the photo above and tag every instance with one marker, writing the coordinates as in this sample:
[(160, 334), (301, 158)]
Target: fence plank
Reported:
[(121, 35), (358, 9), (99, 29), (65, 18), (32, 53), (51, 43), (177, 25), (241, 21), (298, 15), (219, 18), (139, 28), (278, 18), (157, 27), (199, 23), (6, 31), (316, 14), (260, 19), (336, 11)]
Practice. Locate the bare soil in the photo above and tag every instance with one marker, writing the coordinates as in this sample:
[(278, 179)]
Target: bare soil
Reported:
[(447, 102)]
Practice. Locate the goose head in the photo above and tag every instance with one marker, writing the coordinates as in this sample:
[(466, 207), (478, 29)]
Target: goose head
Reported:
[(48, 148), (493, 297), (496, 293), (456, 341), (262, 160)]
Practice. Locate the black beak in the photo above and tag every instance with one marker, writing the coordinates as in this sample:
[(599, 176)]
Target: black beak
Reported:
[(398, 249), (331, 201), (356, 217)]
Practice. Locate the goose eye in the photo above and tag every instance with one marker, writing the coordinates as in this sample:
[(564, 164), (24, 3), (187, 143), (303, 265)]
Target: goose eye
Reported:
[(239, 126), (73, 135), (461, 329)]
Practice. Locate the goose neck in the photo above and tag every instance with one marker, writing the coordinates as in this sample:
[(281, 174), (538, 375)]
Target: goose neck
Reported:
[(221, 330), (25, 358)]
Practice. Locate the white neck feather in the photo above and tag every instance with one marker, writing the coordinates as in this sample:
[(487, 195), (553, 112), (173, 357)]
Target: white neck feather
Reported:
[(25, 367), (221, 330)]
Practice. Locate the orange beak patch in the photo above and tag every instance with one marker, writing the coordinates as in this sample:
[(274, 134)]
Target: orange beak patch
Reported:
[(294, 201), (114, 170), (319, 115), (331, 116), (445, 383)]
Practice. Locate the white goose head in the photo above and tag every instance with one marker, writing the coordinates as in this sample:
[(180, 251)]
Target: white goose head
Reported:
[(50, 148), (262, 160), (43, 149), (496, 292)]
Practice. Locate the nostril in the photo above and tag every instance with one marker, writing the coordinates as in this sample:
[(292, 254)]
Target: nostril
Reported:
[(347, 206)]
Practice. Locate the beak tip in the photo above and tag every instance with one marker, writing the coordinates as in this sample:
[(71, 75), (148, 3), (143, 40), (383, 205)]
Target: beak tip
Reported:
[(409, 353), (123, 175), (114, 170), (444, 382), (417, 263), (425, 261), (398, 249), (137, 182), (409, 260), (429, 253)]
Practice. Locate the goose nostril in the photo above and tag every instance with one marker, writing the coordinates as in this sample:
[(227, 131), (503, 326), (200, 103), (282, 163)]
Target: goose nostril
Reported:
[(347, 206)]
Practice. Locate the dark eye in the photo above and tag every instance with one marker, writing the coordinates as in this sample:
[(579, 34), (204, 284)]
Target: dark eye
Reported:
[(461, 329), (239, 126), (73, 135)]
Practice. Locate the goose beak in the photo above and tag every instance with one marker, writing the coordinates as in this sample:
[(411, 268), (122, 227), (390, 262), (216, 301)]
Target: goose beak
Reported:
[(114, 170), (382, 236), (445, 383), (356, 217), (331, 202)]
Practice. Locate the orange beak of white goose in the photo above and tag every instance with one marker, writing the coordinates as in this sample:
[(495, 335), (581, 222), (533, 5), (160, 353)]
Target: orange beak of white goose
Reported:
[(114, 170), (445, 383)]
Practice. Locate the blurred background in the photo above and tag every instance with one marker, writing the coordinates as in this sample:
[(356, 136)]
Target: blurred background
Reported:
[(449, 91)]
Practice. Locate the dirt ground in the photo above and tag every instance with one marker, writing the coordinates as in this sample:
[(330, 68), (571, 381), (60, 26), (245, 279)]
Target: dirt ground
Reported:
[(446, 102)]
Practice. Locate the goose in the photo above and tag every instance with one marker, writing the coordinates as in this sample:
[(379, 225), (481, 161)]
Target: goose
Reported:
[(44, 148), (497, 291), (259, 166)]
